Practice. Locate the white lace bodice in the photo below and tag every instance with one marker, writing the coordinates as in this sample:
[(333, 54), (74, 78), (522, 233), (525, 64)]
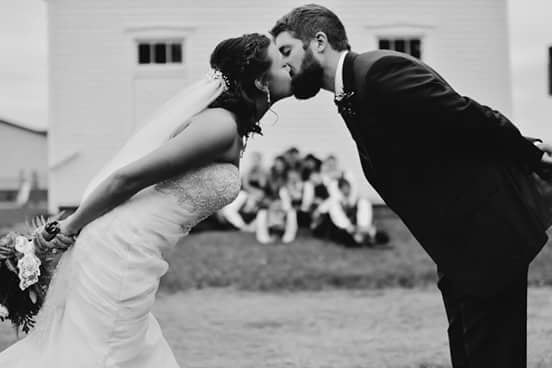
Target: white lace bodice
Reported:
[(163, 213), (204, 191)]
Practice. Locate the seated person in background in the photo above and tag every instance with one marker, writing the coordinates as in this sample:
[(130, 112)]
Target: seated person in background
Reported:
[(254, 179), (276, 178), (293, 189), (278, 221), (291, 195), (293, 158), (346, 219), (314, 190), (331, 171), (241, 213), (309, 164), (276, 217)]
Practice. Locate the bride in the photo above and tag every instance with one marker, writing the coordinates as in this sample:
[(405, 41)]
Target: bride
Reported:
[(177, 170)]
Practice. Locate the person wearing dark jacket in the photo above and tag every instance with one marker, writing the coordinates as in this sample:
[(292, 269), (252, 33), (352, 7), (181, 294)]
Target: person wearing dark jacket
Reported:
[(458, 173)]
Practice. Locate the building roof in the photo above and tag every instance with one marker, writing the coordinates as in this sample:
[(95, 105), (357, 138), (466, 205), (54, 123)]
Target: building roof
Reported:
[(23, 127)]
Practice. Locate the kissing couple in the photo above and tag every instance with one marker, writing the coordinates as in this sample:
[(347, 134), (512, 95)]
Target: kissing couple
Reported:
[(461, 176)]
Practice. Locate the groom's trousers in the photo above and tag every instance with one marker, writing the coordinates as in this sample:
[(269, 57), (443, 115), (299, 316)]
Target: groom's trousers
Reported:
[(488, 331)]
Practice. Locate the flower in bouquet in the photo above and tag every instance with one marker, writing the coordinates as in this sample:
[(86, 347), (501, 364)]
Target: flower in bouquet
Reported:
[(26, 269), (29, 264)]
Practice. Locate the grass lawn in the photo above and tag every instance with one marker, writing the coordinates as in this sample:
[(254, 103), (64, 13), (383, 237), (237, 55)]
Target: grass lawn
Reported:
[(220, 259), (388, 328), (215, 259)]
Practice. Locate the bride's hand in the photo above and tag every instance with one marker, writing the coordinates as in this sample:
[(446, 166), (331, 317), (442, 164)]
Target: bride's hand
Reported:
[(59, 242), (67, 235), (62, 240)]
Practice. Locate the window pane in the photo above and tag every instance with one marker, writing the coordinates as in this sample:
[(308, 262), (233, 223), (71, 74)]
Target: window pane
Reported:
[(176, 53), (160, 53), (384, 44), (144, 54), (400, 45), (415, 48)]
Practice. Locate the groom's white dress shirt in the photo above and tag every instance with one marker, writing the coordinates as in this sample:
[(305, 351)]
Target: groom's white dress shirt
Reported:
[(338, 81)]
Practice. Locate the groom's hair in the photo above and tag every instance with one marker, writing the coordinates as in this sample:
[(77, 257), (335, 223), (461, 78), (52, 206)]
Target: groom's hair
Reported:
[(305, 21)]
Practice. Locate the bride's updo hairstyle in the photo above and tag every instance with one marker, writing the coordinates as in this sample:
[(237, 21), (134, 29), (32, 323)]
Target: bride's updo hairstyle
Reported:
[(241, 61)]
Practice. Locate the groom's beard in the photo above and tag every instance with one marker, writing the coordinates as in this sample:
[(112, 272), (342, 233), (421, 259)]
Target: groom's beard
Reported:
[(308, 82)]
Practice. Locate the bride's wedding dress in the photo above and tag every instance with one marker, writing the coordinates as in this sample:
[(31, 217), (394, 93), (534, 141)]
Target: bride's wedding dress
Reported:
[(98, 310)]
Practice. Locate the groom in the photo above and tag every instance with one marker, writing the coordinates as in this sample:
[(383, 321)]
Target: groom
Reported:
[(459, 174)]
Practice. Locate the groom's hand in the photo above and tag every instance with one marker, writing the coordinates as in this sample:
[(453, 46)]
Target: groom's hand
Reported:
[(547, 149), (545, 167)]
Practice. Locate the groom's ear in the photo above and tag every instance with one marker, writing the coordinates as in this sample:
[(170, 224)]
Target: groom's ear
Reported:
[(320, 42)]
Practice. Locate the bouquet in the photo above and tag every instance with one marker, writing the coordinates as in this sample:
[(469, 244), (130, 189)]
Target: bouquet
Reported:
[(27, 264)]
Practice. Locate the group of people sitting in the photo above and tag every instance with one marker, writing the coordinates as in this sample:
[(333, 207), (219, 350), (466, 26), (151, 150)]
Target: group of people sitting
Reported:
[(302, 192)]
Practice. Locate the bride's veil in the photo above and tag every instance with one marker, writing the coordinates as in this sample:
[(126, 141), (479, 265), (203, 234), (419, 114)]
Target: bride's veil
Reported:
[(187, 103)]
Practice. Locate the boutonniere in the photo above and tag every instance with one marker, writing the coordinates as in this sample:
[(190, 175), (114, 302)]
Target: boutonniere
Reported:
[(344, 104)]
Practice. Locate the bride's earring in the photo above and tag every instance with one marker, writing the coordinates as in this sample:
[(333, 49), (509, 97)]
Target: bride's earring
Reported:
[(244, 145), (268, 100)]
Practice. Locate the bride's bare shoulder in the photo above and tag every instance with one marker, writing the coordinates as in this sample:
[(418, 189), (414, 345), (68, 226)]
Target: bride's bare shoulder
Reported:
[(218, 114), (210, 116)]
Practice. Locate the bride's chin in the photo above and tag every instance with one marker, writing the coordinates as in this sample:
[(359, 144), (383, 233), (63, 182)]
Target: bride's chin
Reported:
[(281, 97), (287, 94)]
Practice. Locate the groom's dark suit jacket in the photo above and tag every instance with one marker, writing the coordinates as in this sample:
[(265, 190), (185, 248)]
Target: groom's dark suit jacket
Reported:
[(456, 172)]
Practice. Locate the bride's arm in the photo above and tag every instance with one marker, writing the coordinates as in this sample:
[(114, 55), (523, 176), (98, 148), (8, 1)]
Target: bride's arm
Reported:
[(211, 134)]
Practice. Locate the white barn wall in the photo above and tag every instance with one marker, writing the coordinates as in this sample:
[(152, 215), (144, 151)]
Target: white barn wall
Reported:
[(99, 95)]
